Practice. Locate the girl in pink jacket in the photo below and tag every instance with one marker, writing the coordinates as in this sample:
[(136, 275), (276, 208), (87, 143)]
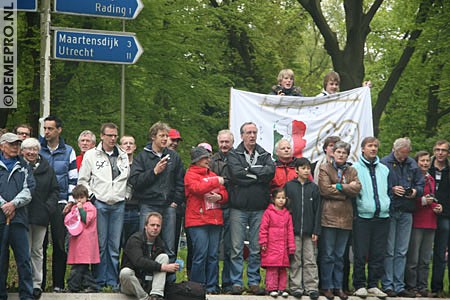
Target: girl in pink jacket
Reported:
[(276, 238), (81, 222)]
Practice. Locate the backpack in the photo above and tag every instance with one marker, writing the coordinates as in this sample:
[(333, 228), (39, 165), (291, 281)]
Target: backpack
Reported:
[(186, 290)]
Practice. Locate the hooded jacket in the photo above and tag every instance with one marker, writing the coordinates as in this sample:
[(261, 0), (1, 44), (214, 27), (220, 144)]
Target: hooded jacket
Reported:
[(198, 182), (162, 189), (250, 183), (277, 234)]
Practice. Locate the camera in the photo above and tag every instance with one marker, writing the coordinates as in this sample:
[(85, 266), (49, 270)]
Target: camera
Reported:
[(408, 191)]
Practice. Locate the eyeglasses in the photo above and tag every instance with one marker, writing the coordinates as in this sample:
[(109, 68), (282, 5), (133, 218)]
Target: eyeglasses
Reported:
[(23, 133), (440, 150)]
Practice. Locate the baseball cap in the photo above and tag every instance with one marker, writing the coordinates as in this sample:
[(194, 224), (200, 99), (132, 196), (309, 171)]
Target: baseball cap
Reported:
[(174, 134), (73, 222), (206, 146), (9, 137)]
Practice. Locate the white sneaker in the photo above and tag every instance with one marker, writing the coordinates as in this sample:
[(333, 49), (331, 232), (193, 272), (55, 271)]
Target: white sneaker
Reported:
[(361, 292), (273, 294), (377, 292), (284, 294)]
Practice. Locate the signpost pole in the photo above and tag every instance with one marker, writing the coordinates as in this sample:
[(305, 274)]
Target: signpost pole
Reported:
[(45, 63), (122, 95)]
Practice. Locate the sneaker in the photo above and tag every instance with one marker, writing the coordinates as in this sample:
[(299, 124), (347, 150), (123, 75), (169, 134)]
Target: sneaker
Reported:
[(297, 293), (313, 295), (58, 290), (37, 293), (256, 290), (283, 294), (376, 292), (273, 294), (390, 293), (406, 294), (236, 290), (361, 292), (90, 290)]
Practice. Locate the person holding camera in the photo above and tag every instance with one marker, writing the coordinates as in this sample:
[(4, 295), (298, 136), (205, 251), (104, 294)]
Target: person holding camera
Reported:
[(285, 86), (405, 184), (422, 236)]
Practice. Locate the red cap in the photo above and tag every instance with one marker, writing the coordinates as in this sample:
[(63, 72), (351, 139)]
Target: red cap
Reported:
[(174, 134)]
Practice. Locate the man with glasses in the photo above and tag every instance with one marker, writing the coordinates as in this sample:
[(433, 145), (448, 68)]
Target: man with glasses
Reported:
[(251, 170), (62, 159), (104, 172), (23, 131), (439, 169)]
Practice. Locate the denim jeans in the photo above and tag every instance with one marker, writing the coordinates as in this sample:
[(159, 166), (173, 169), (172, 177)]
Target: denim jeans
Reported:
[(397, 247), (18, 240), (168, 230), (441, 241), (332, 248), (239, 219), (130, 224), (109, 227), (369, 241), (205, 259), (226, 242), (418, 259)]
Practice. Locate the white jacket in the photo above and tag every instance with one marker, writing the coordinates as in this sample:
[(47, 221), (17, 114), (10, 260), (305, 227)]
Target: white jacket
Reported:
[(96, 174)]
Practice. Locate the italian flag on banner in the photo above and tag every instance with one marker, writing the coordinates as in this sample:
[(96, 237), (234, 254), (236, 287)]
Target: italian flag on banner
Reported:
[(304, 121)]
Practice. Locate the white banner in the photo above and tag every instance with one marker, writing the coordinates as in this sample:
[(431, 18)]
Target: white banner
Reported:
[(304, 121)]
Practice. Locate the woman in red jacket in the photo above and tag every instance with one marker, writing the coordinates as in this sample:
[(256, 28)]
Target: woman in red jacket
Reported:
[(205, 193)]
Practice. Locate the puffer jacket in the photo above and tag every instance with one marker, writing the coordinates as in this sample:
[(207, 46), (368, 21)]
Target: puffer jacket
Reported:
[(45, 196), (284, 172), (337, 210), (250, 184), (277, 234), (162, 189), (16, 186), (199, 181)]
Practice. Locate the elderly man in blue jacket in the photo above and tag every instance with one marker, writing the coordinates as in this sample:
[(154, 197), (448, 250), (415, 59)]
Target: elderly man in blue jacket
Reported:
[(16, 183)]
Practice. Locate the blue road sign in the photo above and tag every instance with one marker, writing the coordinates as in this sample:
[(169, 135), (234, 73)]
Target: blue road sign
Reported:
[(24, 5), (96, 46), (123, 9)]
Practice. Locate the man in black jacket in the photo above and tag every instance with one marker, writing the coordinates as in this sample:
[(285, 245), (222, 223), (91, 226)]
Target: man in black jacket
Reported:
[(251, 169), (157, 179), (144, 263)]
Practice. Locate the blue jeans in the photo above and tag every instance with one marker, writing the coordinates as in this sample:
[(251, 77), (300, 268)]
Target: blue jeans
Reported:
[(226, 241), (441, 241), (397, 246), (18, 240), (205, 260), (332, 248), (109, 227), (130, 224), (239, 219), (168, 230)]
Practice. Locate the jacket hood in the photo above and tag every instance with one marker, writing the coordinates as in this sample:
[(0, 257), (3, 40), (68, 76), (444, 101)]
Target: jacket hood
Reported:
[(272, 207), (199, 170)]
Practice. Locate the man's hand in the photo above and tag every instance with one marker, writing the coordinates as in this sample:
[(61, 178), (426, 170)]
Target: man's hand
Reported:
[(173, 267), (9, 209), (161, 165)]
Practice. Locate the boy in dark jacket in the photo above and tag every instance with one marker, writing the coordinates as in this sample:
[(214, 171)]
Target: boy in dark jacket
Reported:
[(305, 207)]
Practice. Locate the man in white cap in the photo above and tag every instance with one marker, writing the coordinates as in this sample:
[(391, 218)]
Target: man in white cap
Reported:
[(16, 183)]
